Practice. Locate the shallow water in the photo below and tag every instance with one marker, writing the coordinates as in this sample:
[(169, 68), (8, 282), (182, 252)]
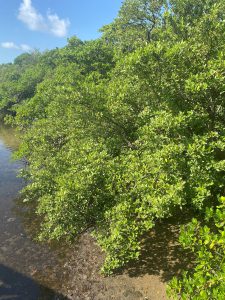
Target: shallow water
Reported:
[(28, 270)]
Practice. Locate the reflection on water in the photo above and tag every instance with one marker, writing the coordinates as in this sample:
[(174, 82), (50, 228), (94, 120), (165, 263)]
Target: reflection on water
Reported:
[(9, 137), (23, 262)]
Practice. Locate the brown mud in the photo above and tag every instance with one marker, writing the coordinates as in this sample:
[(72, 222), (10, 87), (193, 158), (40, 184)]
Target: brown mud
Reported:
[(162, 258)]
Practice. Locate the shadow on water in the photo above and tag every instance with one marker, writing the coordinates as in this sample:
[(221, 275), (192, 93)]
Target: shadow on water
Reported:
[(16, 286)]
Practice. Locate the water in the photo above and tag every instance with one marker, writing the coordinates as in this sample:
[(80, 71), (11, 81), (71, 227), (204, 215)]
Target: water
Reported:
[(28, 270)]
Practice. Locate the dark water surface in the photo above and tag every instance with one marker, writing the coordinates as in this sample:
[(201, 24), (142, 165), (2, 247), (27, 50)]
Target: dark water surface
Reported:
[(28, 270)]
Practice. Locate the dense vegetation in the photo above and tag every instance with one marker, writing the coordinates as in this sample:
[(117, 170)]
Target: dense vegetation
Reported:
[(208, 244), (128, 129)]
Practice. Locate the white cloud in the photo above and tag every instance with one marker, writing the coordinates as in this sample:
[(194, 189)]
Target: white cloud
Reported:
[(12, 45), (29, 15), (58, 26), (37, 22), (9, 45)]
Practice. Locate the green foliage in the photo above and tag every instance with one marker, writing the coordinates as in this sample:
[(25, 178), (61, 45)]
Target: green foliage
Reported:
[(18, 81), (207, 241), (26, 59), (119, 134), (135, 25)]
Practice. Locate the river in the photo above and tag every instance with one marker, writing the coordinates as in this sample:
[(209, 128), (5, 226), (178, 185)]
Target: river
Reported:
[(28, 270)]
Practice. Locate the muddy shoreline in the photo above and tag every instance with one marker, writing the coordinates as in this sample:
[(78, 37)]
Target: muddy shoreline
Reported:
[(161, 259)]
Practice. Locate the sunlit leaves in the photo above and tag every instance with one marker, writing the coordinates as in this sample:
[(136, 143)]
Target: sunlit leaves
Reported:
[(208, 244)]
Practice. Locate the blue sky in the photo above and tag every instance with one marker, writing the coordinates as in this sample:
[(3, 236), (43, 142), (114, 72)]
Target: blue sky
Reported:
[(46, 24)]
